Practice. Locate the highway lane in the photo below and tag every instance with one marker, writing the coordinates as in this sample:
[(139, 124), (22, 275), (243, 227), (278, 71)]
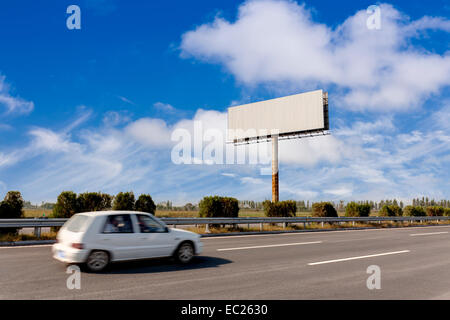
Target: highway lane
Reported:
[(414, 263)]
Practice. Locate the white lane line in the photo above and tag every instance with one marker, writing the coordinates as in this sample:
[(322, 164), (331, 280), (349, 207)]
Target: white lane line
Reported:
[(25, 246), (427, 234), (405, 229), (270, 246), (360, 257)]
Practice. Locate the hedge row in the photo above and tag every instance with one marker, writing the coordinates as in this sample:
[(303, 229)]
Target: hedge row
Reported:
[(69, 203), (215, 206), (280, 209)]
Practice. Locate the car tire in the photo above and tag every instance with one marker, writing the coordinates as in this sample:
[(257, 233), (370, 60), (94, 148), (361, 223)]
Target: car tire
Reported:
[(97, 260), (185, 253)]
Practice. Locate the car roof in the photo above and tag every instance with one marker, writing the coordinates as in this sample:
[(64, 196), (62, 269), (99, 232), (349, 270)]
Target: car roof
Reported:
[(110, 212)]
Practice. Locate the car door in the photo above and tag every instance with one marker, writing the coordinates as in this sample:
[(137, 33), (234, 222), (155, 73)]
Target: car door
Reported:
[(119, 237), (155, 239)]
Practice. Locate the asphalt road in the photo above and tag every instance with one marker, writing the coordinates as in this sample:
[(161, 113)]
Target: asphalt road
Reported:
[(414, 264)]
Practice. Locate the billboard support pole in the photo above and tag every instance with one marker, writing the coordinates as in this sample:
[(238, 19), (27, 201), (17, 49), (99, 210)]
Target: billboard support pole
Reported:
[(275, 189)]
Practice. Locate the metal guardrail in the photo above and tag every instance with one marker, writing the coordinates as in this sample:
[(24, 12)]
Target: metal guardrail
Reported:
[(38, 223)]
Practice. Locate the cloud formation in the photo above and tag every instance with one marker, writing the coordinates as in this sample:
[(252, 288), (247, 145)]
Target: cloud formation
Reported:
[(13, 104), (278, 43)]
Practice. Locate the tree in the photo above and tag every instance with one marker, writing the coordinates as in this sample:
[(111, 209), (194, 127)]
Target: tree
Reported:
[(357, 210), (280, 209), (11, 208), (14, 201), (391, 211), (124, 201), (323, 209), (189, 207), (413, 211), (66, 205), (145, 204), (435, 211), (93, 201), (215, 206)]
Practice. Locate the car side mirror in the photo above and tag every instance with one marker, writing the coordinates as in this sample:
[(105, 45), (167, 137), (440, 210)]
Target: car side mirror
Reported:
[(166, 229)]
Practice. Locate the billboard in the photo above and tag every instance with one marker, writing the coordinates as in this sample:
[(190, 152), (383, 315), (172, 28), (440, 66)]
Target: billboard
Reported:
[(291, 115)]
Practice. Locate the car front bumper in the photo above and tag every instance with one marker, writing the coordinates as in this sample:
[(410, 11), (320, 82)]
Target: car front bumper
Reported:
[(198, 247)]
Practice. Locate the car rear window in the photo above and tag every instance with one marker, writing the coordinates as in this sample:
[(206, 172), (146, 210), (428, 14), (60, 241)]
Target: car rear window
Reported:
[(76, 223)]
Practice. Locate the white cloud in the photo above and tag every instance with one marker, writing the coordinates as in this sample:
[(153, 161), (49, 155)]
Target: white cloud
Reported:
[(47, 140), (126, 100), (151, 132), (7, 159), (251, 180), (164, 107), (114, 118), (231, 175), (342, 191), (13, 105), (278, 43)]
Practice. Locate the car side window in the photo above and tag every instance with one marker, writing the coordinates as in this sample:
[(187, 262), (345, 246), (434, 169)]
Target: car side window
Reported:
[(148, 225), (120, 223)]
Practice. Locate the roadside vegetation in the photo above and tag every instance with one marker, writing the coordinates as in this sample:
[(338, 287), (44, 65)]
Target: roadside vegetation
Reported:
[(69, 203)]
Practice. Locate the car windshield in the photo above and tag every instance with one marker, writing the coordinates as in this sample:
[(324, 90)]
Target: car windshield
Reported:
[(76, 223)]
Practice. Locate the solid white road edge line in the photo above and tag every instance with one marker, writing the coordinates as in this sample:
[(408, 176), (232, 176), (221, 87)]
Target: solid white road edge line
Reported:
[(360, 257), (427, 234), (270, 246)]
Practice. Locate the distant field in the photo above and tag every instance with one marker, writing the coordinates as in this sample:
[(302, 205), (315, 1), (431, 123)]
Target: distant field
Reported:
[(35, 213), (242, 213)]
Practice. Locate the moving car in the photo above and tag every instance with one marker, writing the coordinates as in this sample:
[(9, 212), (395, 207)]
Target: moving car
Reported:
[(99, 238)]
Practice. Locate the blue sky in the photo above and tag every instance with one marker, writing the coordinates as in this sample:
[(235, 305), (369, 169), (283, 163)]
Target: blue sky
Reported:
[(94, 109)]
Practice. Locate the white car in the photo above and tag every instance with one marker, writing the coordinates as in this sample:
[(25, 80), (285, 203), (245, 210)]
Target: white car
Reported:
[(98, 238)]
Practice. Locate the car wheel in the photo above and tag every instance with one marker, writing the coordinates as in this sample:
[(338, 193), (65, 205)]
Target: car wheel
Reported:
[(185, 252), (97, 260)]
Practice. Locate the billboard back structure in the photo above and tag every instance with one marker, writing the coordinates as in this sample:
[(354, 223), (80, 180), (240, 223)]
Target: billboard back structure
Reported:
[(297, 114)]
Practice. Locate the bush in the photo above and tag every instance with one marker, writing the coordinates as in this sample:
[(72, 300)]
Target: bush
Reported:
[(66, 205), (280, 209), (11, 208), (230, 207), (447, 212), (435, 211), (215, 206), (145, 204), (354, 209), (413, 211), (124, 201), (391, 211), (93, 201), (323, 209)]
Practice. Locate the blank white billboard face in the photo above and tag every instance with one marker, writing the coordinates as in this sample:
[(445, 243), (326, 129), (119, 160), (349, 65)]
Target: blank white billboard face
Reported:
[(300, 113)]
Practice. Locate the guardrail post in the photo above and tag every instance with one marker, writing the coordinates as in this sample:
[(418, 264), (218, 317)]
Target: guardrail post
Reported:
[(322, 224), (261, 227), (207, 229), (37, 232), (284, 225)]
